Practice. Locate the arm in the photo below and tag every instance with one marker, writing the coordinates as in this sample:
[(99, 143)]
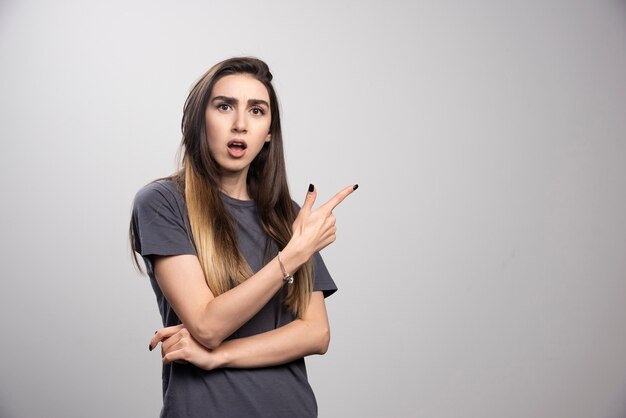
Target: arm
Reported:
[(211, 319), (299, 338)]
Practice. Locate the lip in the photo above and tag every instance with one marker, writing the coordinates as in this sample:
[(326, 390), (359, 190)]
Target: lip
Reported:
[(236, 152)]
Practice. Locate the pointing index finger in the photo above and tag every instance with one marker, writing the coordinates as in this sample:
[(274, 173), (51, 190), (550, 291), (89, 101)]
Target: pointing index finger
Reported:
[(334, 201)]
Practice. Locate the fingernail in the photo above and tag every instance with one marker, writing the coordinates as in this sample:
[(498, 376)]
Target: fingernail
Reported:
[(356, 186), (150, 347), (311, 188), (156, 332)]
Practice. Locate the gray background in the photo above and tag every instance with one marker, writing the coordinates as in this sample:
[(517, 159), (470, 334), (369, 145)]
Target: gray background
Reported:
[(481, 264)]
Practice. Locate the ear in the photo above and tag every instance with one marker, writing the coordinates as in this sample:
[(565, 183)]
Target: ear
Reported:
[(268, 138)]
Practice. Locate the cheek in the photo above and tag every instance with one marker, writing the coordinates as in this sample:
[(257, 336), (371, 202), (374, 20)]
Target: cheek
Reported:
[(212, 133), (266, 128), (213, 145), (209, 137)]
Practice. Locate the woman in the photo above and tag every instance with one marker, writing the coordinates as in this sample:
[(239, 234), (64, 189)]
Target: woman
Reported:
[(234, 265)]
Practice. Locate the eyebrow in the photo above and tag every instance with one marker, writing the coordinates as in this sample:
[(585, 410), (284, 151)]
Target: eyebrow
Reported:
[(232, 100)]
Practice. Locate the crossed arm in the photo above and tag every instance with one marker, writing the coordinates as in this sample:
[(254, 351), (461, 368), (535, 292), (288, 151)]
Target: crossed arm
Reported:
[(208, 320), (299, 338)]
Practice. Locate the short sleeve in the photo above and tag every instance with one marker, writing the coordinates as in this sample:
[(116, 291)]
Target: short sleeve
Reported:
[(158, 221), (321, 278)]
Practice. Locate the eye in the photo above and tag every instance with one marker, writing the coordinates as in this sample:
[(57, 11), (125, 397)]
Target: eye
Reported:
[(257, 111), (223, 106)]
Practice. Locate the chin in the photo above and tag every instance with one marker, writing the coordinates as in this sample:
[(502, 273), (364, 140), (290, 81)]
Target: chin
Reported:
[(234, 168)]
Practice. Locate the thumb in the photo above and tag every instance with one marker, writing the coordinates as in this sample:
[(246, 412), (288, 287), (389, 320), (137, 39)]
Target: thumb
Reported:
[(307, 207)]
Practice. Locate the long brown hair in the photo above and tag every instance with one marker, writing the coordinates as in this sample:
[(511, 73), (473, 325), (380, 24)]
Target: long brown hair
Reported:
[(212, 227)]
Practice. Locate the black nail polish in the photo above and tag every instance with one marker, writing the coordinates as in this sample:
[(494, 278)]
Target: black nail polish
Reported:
[(356, 186), (156, 332), (311, 188), (150, 347)]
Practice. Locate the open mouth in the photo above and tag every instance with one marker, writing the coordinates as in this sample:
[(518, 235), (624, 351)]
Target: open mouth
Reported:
[(237, 145), (237, 148)]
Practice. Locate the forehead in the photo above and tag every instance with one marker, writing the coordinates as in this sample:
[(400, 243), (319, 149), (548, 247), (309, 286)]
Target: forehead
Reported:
[(240, 86)]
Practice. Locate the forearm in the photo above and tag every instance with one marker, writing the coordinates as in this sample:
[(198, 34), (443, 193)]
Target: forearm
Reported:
[(279, 346), (299, 338), (227, 312)]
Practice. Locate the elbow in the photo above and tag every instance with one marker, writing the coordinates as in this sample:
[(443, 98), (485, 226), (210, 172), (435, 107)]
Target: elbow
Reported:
[(211, 343), (208, 337), (323, 340)]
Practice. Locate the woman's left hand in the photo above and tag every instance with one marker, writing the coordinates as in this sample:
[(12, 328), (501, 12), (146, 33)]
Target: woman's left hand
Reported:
[(178, 345)]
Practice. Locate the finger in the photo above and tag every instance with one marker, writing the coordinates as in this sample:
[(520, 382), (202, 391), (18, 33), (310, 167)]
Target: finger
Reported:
[(177, 355), (174, 339), (163, 333), (332, 203), (175, 342), (309, 200)]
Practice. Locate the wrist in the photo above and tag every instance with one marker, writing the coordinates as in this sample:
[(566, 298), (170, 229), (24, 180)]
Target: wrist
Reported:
[(221, 356), (216, 359), (292, 259)]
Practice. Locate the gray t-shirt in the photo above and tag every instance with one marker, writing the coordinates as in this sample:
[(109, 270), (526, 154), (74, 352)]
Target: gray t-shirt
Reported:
[(160, 225)]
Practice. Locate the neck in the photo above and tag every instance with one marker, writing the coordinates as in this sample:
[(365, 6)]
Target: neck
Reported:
[(234, 185)]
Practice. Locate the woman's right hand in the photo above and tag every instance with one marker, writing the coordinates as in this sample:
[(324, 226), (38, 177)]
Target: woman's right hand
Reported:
[(314, 229)]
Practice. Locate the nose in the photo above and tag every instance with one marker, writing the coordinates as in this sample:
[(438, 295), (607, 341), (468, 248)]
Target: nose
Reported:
[(239, 124)]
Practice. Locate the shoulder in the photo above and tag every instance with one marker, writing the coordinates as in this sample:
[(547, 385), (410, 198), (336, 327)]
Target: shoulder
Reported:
[(158, 192), (159, 220)]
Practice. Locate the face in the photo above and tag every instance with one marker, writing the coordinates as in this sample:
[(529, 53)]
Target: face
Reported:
[(237, 121)]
